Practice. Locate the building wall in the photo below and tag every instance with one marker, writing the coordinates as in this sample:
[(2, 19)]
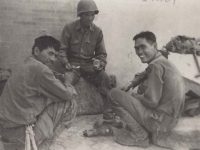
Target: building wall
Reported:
[(21, 21)]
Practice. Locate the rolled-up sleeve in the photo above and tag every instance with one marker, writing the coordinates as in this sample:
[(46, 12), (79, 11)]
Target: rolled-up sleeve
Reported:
[(153, 93), (139, 77), (65, 38), (64, 45), (53, 88), (100, 50)]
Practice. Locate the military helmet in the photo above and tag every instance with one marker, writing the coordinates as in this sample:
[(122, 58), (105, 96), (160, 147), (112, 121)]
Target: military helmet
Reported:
[(86, 6)]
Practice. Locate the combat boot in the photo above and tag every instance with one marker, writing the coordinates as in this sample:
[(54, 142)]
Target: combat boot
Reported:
[(136, 135), (110, 117)]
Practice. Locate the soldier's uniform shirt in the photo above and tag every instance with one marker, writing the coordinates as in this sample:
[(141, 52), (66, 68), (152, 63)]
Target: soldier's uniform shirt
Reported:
[(163, 88), (32, 95), (160, 99), (81, 46)]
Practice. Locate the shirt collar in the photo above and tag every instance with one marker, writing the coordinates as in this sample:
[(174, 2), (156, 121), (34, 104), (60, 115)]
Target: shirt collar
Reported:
[(158, 54), (78, 25)]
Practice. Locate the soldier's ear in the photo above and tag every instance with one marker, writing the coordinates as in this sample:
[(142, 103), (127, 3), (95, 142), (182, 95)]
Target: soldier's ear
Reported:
[(36, 51), (155, 45)]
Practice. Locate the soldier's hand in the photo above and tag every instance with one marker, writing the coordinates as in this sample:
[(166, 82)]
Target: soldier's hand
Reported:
[(68, 66), (98, 65), (134, 95), (127, 87), (69, 77), (74, 92)]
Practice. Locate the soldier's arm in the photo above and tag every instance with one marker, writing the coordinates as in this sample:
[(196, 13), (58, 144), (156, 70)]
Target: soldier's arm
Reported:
[(65, 36), (139, 77), (53, 88), (153, 93), (100, 51)]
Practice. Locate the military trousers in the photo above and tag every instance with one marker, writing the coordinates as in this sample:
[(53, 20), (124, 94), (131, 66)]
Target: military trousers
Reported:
[(152, 120), (60, 113)]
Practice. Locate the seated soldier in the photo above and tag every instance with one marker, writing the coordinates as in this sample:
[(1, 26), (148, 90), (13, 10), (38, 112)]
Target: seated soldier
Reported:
[(82, 47), (32, 95), (159, 101)]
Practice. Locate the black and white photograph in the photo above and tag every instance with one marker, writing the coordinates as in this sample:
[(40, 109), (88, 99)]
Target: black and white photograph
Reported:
[(99, 74)]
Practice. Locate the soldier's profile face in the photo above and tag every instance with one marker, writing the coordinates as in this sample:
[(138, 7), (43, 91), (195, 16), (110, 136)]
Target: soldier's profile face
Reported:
[(145, 50), (47, 56), (87, 18)]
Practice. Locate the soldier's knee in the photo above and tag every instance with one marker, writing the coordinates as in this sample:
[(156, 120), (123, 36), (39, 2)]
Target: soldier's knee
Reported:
[(113, 81), (113, 95), (114, 92)]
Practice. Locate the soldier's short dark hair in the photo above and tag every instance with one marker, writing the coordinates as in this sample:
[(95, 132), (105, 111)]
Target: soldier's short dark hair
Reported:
[(44, 42), (149, 36)]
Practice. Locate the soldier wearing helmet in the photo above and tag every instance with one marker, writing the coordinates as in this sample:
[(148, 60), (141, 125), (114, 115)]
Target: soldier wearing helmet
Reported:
[(83, 51), (86, 6)]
